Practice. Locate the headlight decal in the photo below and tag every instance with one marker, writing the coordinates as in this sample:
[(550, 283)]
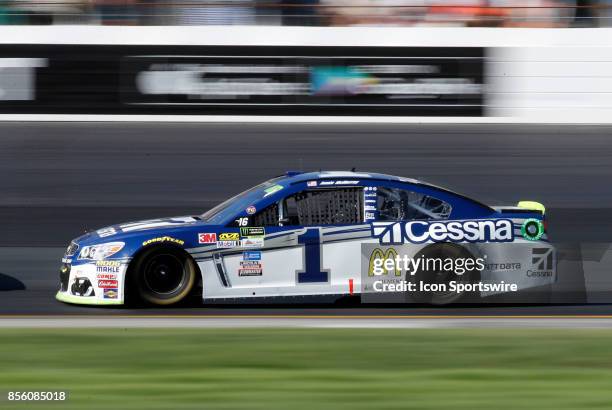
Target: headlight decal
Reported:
[(101, 251)]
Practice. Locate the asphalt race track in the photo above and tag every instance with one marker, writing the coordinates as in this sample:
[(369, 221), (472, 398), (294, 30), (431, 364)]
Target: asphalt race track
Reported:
[(61, 178)]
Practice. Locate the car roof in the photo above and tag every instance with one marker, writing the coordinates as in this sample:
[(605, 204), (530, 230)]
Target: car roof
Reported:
[(293, 177), (297, 176)]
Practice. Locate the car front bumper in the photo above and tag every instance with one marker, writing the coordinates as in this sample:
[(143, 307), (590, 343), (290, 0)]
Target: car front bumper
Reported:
[(93, 283)]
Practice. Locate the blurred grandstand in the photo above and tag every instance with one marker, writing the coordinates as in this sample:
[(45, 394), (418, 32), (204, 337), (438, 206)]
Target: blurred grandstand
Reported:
[(471, 13)]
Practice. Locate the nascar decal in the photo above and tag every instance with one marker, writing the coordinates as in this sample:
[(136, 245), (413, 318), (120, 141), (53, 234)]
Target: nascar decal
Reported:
[(497, 230), (252, 231)]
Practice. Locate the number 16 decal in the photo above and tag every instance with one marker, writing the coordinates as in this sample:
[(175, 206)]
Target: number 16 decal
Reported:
[(311, 239)]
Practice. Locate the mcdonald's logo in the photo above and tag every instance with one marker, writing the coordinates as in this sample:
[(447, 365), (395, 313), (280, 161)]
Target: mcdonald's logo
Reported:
[(383, 256)]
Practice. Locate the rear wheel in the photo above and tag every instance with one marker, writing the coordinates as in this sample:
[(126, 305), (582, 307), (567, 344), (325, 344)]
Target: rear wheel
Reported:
[(163, 276), (436, 278)]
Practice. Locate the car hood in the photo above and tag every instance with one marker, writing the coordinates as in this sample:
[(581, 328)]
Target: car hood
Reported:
[(135, 228), (149, 224)]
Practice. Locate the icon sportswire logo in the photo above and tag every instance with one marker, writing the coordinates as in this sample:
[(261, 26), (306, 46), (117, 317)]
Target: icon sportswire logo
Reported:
[(495, 230)]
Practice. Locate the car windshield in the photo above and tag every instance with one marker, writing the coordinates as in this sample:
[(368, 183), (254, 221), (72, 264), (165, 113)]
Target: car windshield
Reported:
[(240, 202)]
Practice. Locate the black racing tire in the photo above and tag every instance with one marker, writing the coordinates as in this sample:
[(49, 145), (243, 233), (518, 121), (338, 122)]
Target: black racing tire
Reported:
[(163, 276), (444, 251)]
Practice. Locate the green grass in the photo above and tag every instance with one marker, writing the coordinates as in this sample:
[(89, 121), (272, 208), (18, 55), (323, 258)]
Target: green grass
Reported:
[(296, 369)]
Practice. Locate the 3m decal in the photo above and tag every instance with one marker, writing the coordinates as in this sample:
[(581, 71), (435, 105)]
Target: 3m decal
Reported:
[(207, 237)]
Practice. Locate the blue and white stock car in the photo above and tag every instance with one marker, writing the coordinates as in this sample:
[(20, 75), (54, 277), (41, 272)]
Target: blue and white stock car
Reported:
[(303, 234)]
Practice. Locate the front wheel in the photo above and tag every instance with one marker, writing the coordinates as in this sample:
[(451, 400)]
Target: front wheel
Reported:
[(163, 276)]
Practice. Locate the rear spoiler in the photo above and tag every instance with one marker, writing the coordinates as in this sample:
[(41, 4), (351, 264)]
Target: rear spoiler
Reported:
[(532, 206), (522, 207)]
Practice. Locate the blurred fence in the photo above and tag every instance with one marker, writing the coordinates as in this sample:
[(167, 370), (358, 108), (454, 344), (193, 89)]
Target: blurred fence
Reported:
[(471, 13)]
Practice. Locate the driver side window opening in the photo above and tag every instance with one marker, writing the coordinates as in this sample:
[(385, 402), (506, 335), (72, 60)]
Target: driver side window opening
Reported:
[(396, 204), (342, 206), (266, 217)]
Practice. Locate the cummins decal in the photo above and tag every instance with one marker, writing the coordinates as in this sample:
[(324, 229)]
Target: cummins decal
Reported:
[(497, 230)]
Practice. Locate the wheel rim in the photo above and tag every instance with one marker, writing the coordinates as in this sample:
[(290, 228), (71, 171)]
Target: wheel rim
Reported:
[(439, 277), (164, 274)]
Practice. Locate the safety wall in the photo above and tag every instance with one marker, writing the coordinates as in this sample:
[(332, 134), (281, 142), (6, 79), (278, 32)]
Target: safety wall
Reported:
[(479, 74)]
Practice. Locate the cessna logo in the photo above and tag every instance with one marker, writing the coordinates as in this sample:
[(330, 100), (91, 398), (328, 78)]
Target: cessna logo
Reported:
[(542, 260), (498, 230)]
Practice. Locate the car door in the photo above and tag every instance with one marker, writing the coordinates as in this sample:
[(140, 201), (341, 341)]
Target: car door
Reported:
[(310, 239)]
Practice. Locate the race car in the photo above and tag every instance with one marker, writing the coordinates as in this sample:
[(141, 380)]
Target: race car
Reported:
[(313, 234)]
